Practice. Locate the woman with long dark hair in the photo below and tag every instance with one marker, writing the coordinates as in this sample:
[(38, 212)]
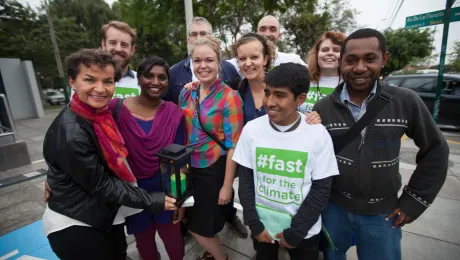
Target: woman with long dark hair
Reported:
[(148, 124)]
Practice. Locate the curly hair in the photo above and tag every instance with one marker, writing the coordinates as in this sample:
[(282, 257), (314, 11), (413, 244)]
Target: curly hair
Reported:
[(315, 71), (88, 57)]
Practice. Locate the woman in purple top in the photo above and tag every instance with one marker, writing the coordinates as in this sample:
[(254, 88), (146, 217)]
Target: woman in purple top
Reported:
[(148, 124)]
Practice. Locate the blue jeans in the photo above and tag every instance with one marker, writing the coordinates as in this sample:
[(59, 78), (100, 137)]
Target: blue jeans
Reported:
[(375, 239)]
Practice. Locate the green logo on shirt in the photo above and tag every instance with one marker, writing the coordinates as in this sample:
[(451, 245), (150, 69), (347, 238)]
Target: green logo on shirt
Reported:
[(314, 95), (285, 163), (124, 92), (280, 174)]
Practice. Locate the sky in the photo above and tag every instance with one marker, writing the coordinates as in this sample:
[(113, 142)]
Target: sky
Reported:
[(375, 14)]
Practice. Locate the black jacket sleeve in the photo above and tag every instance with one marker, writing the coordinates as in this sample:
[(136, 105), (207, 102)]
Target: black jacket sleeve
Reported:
[(432, 159), (308, 214), (80, 159), (247, 196)]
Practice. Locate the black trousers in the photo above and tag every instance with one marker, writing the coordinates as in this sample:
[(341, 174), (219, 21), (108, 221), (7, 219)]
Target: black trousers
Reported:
[(78, 242), (306, 250)]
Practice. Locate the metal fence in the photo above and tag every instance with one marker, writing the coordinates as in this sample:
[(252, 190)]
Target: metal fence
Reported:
[(7, 132)]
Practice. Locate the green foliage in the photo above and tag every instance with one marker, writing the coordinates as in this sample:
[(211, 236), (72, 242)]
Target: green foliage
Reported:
[(455, 57), (306, 28), (91, 15), (406, 45), (160, 26), (307, 20), (25, 35)]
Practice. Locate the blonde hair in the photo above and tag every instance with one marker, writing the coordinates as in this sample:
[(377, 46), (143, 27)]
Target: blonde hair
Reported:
[(122, 26), (211, 42)]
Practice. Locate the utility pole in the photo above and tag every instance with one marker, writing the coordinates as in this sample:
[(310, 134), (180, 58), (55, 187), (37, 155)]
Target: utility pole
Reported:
[(188, 15), (57, 56), (442, 59)]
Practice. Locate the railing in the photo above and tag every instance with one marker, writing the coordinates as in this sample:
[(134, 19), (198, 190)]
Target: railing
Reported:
[(6, 119)]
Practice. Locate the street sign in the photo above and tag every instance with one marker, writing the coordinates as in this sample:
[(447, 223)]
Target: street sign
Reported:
[(433, 18)]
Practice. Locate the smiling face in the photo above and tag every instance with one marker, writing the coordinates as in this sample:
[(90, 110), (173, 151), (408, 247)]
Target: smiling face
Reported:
[(281, 105), (328, 55), (362, 62), (205, 64), (251, 60), (119, 44), (154, 83), (94, 86), (269, 27)]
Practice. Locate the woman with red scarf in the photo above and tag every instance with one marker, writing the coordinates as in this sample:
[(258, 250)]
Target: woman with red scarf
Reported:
[(88, 172)]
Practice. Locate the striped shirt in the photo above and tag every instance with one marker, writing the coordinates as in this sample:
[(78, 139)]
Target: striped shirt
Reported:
[(221, 115)]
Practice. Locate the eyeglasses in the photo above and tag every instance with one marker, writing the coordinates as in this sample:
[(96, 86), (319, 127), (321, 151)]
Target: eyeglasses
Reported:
[(195, 34)]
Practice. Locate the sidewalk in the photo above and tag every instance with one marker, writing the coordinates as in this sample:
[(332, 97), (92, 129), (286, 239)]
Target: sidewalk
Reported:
[(435, 235)]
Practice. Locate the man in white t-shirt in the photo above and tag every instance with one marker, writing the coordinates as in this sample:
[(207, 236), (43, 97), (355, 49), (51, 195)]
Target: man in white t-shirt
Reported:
[(269, 27), (119, 39), (285, 168)]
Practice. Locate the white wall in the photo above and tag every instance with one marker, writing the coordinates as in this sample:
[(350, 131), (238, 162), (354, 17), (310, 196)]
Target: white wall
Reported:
[(21, 88)]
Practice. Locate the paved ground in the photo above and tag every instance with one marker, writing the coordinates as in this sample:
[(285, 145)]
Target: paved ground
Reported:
[(435, 235)]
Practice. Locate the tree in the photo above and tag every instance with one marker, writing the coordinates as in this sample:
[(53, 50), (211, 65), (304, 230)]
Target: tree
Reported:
[(406, 45), (305, 29), (25, 35), (16, 22), (307, 20), (160, 27), (455, 57), (342, 16), (90, 15)]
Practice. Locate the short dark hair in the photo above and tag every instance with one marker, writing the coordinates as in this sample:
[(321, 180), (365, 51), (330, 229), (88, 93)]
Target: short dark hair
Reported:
[(148, 63), (292, 75), (88, 57), (122, 26), (365, 33)]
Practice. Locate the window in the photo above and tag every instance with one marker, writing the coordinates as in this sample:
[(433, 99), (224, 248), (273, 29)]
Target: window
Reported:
[(454, 87), (394, 82), (424, 85)]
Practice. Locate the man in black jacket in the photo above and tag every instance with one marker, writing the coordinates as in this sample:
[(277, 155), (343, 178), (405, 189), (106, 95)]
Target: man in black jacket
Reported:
[(364, 197)]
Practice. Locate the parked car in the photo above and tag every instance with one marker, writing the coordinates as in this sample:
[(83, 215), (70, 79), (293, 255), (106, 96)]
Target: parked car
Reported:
[(54, 97), (427, 71), (425, 86)]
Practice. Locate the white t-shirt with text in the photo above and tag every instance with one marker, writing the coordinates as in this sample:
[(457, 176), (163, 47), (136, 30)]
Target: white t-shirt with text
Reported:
[(286, 163)]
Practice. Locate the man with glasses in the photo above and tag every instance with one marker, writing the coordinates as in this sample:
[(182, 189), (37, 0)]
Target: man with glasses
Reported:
[(182, 73)]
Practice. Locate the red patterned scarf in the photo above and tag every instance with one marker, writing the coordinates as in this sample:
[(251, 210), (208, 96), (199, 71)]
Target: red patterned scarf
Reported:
[(109, 138)]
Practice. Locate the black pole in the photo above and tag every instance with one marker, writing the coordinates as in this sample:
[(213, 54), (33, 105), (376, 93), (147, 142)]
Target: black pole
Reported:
[(442, 60)]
